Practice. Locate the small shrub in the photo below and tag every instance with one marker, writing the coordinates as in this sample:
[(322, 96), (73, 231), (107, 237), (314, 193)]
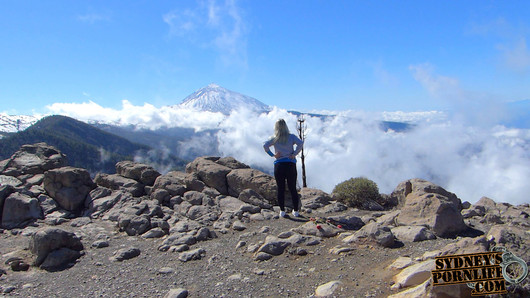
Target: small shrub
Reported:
[(356, 192)]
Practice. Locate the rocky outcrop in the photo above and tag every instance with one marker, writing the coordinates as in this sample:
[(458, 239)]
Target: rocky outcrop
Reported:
[(142, 173), (68, 186), (33, 159), (117, 182), (211, 173), (54, 248), (426, 204), (240, 179), (19, 210)]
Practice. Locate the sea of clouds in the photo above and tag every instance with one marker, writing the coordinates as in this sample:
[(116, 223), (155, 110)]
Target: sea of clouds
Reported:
[(469, 159)]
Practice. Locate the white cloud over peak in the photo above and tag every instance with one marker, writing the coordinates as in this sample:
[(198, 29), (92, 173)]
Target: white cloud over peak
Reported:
[(145, 116)]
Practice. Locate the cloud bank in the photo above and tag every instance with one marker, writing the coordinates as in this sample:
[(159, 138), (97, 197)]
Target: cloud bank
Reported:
[(471, 161)]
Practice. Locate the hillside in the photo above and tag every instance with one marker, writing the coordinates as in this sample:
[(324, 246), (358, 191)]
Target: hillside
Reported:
[(85, 146)]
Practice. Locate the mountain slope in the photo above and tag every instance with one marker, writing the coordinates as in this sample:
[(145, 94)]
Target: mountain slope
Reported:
[(214, 98), (84, 145)]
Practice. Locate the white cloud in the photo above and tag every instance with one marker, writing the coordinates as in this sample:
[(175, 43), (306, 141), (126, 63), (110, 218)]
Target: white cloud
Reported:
[(145, 116), (471, 161), (437, 85)]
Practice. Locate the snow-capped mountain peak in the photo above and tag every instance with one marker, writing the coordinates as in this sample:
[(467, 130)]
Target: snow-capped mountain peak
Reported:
[(16, 123), (214, 98)]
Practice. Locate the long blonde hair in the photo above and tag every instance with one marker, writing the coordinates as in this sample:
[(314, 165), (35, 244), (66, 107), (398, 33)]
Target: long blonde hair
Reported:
[(281, 132)]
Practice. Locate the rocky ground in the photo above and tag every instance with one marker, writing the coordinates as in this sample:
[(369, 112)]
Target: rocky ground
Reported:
[(224, 271), (213, 232)]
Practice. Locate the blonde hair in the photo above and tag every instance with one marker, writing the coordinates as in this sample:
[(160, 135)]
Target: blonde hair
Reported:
[(281, 132)]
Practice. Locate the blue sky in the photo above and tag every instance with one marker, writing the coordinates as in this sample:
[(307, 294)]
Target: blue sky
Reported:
[(304, 55)]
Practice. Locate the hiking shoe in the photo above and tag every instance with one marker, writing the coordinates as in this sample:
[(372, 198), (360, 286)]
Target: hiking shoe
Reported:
[(282, 213), (296, 214)]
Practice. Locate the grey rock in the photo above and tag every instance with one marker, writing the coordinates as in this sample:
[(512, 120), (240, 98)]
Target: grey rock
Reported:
[(314, 198), (100, 243), (142, 173), (240, 179), (125, 254), (239, 226), (68, 186), (262, 256), (252, 197), (432, 206), (412, 233), (372, 233), (60, 258), (334, 207), (210, 172), (177, 293), (18, 210), (117, 182), (44, 241), (195, 254), (34, 159), (274, 245)]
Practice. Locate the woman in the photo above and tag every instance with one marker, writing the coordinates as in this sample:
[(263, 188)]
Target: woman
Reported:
[(285, 163)]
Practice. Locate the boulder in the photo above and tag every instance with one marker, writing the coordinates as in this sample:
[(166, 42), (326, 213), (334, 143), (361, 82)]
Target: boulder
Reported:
[(429, 205), (125, 254), (177, 293), (117, 182), (230, 204), (372, 233), (314, 198), (350, 222), (252, 197), (172, 182), (101, 200), (47, 240), (135, 224), (68, 186), (137, 171), (59, 258), (210, 172), (10, 181), (327, 289), (414, 275), (318, 229), (412, 233), (407, 187), (195, 254), (34, 159), (5, 191), (241, 179), (232, 163), (19, 209), (273, 246)]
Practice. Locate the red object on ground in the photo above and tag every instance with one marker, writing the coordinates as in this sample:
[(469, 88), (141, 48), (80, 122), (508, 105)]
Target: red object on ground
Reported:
[(339, 226), (319, 227)]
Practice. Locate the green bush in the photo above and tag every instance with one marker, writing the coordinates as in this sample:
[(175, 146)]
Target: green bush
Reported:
[(356, 192)]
